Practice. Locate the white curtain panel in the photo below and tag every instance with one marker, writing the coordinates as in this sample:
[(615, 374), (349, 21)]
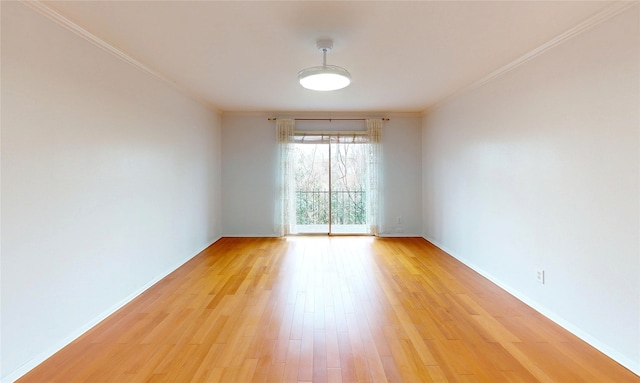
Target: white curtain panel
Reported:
[(374, 131), (286, 216)]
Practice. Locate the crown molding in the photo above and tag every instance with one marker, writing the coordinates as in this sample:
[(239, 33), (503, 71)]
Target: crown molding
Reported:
[(605, 14), (71, 26)]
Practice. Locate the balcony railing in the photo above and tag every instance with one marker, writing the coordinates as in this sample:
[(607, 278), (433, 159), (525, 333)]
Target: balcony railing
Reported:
[(348, 207)]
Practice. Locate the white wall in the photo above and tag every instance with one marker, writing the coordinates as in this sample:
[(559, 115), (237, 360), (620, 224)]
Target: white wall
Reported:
[(249, 170), (110, 179), (250, 159), (540, 169)]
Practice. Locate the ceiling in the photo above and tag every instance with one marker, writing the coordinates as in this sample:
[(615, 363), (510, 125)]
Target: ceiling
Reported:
[(403, 56)]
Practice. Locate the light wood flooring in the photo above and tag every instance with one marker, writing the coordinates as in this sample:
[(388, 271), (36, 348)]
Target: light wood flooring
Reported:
[(327, 309)]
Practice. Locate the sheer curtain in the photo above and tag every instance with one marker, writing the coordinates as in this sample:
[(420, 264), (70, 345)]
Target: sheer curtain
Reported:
[(374, 131), (286, 215)]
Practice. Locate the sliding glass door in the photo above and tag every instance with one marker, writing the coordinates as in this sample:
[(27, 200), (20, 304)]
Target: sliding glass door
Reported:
[(330, 184), (348, 186), (311, 171)]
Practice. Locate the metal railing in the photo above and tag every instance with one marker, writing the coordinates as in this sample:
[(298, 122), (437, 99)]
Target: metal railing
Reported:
[(348, 207)]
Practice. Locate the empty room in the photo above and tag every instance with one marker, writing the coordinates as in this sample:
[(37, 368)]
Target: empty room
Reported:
[(320, 191)]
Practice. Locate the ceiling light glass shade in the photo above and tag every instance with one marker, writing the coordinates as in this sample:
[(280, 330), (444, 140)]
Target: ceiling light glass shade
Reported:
[(324, 78)]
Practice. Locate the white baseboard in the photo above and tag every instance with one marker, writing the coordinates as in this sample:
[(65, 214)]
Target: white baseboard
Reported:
[(632, 365), (250, 235), (34, 362), (399, 235)]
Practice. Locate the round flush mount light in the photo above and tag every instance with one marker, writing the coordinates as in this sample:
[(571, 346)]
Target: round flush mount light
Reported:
[(325, 77)]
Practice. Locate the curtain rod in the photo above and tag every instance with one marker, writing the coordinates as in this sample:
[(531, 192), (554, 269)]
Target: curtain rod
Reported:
[(329, 132), (327, 119)]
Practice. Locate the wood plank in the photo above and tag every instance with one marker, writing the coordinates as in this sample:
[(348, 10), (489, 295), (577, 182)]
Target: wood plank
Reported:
[(326, 309)]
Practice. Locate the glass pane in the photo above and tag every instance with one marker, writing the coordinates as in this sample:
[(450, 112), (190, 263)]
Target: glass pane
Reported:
[(312, 187), (348, 187)]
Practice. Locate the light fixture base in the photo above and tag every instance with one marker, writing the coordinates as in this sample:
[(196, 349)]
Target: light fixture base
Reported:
[(324, 45)]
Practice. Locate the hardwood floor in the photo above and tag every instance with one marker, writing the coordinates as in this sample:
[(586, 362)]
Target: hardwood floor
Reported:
[(319, 309)]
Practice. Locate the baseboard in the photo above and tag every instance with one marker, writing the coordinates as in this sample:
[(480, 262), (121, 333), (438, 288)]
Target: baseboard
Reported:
[(33, 363), (399, 235), (250, 235), (628, 363)]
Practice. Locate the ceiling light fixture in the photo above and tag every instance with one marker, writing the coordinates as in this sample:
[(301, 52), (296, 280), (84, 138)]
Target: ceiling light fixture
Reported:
[(325, 77)]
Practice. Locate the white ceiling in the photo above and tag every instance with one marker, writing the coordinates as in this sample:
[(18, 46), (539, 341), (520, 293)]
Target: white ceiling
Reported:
[(403, 56)]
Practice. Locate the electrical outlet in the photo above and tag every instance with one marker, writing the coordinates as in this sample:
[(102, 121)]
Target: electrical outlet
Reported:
[(540, 276), (399, 220)]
